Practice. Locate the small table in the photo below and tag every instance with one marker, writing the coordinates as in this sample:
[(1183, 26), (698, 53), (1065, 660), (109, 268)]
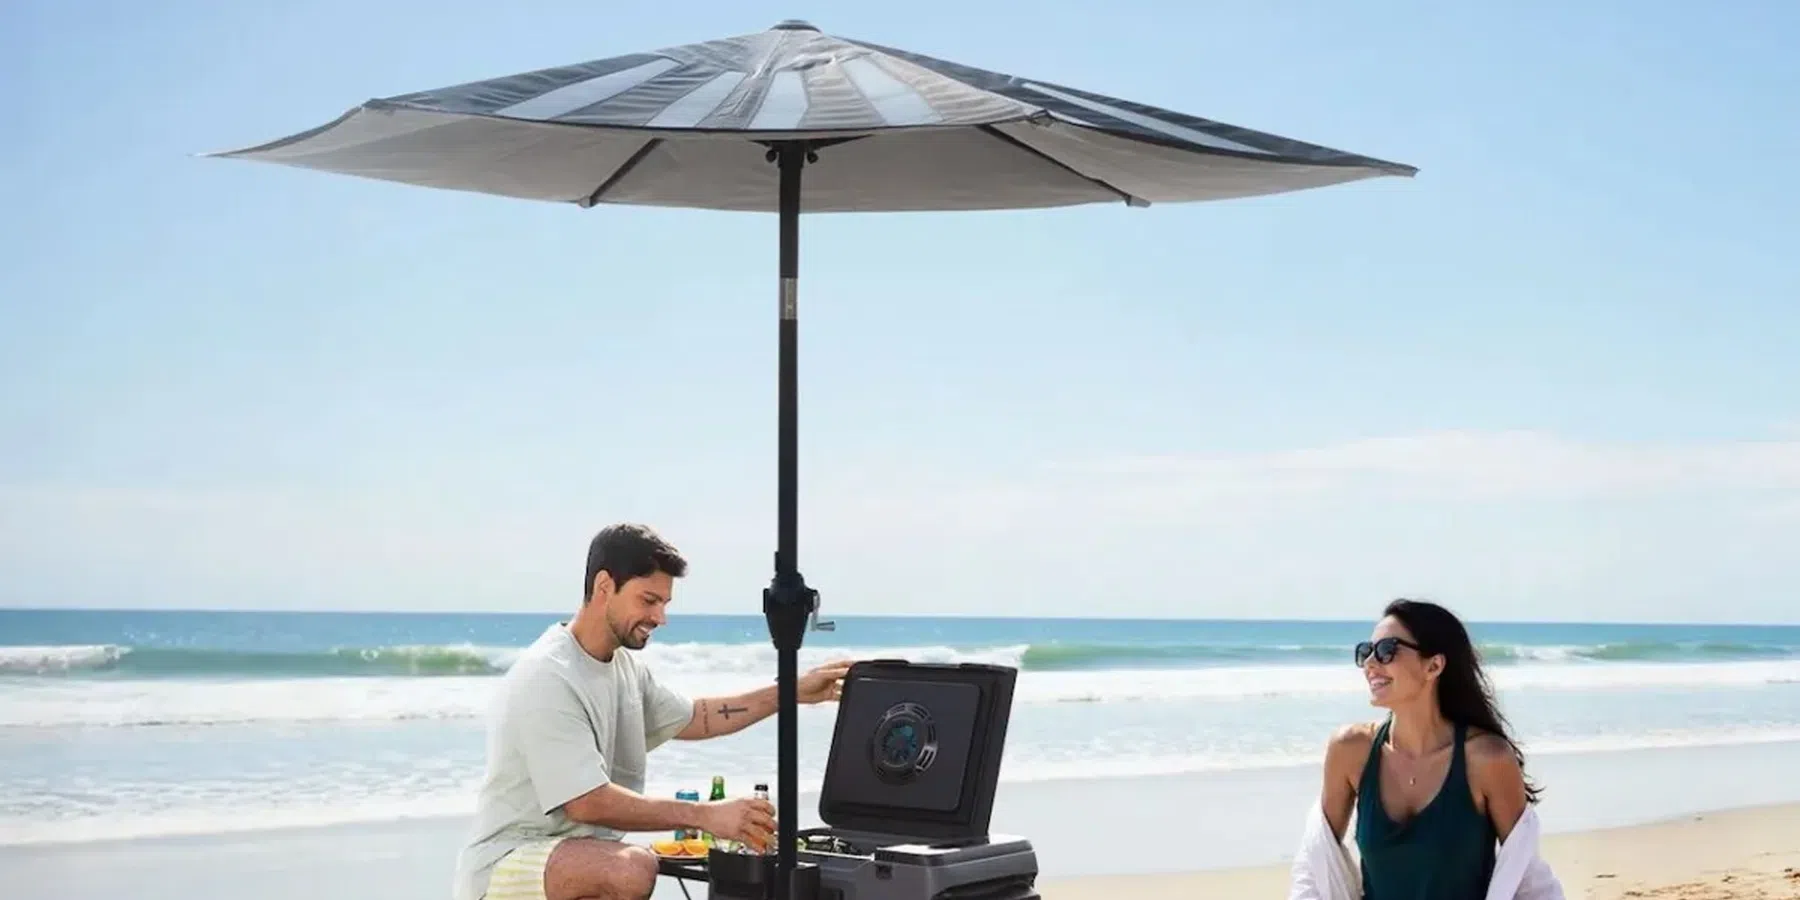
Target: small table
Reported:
[(689, 869)]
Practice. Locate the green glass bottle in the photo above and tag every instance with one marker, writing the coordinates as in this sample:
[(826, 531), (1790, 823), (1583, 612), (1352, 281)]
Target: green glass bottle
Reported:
[(718, 793)]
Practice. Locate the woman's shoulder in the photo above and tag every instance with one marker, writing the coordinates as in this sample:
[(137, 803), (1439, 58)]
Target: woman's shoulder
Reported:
[(1492, 758), (1485, 747), (1349, 746), (1355, 734)]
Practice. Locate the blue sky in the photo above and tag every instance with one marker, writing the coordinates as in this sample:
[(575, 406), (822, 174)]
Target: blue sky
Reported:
[(1552, 377)]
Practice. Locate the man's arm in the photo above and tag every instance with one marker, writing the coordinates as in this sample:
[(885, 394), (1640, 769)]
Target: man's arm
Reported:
[(559, 746), (621, 808), (719, 716), (744, 819)]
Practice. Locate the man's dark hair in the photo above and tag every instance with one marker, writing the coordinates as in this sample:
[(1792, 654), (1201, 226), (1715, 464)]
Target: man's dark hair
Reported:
[(628, 551)]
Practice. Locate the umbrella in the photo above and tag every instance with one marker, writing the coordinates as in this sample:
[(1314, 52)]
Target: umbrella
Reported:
[(736, 123)]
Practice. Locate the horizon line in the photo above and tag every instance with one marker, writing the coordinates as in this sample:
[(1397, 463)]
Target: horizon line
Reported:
[(758, 616)]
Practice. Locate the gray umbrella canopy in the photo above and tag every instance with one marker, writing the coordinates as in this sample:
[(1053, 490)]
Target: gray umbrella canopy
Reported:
[(681, 127), (732, 124)]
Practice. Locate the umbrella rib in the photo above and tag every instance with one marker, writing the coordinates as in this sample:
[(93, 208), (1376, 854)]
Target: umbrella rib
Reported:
[(623, 170), (1005, 138)]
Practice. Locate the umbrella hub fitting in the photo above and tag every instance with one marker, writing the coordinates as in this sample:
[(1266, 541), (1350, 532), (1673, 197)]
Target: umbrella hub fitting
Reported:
[(789, 605), (809, 155)]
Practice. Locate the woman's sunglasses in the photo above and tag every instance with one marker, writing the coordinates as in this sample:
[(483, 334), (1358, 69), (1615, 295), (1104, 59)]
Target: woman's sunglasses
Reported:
[(1383, 650)]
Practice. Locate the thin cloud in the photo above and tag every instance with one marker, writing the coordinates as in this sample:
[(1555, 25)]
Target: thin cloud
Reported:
[(1563, 526), (1464, 464)]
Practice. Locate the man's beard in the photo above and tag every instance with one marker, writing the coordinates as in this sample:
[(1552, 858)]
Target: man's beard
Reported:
[(629, 639)]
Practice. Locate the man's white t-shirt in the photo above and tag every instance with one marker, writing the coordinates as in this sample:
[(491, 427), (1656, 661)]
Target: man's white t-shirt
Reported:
[(562, 724)]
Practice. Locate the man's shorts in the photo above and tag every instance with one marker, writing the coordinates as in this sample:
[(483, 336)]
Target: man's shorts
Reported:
[(519, 875)]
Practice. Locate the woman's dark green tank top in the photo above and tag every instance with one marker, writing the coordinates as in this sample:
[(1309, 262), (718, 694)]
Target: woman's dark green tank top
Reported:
[(1446, 852)]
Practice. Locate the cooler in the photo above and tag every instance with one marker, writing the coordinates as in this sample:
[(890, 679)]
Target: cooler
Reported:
[(908, 791)]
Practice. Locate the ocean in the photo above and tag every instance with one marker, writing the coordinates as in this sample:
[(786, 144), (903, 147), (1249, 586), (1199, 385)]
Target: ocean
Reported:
[(144, 723)]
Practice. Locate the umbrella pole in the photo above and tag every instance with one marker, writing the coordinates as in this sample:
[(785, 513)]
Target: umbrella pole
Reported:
[(788, 602)]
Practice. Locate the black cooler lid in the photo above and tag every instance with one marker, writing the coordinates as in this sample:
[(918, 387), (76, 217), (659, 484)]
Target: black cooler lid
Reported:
[(916, 750)]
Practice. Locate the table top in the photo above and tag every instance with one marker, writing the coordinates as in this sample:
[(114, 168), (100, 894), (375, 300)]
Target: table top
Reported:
[(692, 868)]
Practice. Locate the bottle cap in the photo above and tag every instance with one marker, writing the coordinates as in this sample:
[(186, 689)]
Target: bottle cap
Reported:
[(762, 787)]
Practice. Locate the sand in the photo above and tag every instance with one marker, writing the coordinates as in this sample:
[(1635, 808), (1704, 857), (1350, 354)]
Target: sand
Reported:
[(1744, 854), (1621, 824)]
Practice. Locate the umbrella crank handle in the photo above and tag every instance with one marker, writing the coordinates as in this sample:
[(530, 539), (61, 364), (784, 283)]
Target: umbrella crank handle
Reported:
[(812, 618)]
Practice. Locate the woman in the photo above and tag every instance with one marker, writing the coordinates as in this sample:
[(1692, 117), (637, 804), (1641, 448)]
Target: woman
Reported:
[(1437, 783)]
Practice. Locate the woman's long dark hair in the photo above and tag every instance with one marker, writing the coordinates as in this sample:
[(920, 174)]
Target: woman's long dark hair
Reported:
[(1464, 694)]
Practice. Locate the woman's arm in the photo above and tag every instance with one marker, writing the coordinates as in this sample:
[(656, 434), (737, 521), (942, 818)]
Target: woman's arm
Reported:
[(1497, 781), (1345, 757)]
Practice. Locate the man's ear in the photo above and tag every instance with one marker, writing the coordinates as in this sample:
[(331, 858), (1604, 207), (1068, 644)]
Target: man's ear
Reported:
[(602, 586)]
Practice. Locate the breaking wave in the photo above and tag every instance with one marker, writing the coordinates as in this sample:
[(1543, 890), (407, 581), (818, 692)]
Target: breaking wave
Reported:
[(726, 659)]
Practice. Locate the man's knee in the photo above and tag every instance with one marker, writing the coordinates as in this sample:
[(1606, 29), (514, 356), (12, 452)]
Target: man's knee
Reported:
[(641, 868), (583, 868)]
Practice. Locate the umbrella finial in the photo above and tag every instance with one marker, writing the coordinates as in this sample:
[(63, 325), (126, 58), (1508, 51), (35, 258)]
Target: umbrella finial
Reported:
[(794, 25)]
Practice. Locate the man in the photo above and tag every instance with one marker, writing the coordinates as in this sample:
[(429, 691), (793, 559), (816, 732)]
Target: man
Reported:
[(572, 722)]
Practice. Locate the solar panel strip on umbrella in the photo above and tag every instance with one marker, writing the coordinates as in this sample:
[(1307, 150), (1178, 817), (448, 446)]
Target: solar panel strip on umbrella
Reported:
[(491, 95), (894, 101), (837, 102), (697, 104), (565, 103)]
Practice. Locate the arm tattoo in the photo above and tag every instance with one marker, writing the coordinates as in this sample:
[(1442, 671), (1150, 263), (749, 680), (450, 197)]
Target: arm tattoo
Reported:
[(726, 710)]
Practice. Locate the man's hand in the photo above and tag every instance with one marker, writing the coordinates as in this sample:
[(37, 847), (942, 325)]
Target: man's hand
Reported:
[(823, 683), (746, 819)]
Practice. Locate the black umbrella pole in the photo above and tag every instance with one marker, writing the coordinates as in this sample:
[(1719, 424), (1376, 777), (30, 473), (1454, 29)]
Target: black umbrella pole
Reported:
[(788, 601)]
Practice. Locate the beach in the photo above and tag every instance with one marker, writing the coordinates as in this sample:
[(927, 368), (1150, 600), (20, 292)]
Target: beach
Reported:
[(1617, 823), (174, 755), (1742, 854)]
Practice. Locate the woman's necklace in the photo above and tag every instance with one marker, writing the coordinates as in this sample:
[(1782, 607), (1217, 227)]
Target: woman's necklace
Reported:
[(1412, 762)]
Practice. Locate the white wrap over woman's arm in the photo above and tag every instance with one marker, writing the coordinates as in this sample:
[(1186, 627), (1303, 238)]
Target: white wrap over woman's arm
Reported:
[(1323, 869), (1519, 872)]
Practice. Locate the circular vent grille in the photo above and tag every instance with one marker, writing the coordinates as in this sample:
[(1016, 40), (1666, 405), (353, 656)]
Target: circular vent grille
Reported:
[(903, 743)]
